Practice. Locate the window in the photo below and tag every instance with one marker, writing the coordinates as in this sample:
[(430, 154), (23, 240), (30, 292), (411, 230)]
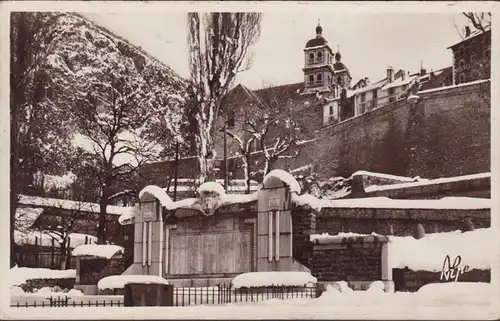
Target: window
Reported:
[(311, 56), (319, 77), (363, 97), (230, 122), (375, 94), (461, 63), (461, 78), (339, 80), (331, 110), (311, 78), (320, 54), (390, 91), (320, 57), (486, 53)]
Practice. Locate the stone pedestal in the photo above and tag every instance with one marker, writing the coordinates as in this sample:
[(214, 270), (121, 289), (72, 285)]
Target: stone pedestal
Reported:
[(139, 294)]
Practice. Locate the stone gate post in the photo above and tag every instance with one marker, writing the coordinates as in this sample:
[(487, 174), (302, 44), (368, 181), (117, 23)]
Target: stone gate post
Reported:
[(274, 227)]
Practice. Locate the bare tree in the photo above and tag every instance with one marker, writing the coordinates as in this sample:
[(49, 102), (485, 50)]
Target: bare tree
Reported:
[(480, 20), (125, 105), (219, 46), (274, 123)]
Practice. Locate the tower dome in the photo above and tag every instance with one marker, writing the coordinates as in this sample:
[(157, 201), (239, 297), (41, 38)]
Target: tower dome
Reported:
[(319, 30), (319, 40), (338, 56)]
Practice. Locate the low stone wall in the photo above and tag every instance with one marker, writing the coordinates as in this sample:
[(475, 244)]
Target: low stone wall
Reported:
[(410, 281), (67, 283), (357, 260), (477, 187), (303, 225)]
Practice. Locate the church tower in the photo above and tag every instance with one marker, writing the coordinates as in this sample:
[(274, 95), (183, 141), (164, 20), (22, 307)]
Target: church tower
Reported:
[(318, 64)]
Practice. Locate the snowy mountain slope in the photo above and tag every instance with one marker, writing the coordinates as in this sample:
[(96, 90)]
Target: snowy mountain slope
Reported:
[(85, 58)]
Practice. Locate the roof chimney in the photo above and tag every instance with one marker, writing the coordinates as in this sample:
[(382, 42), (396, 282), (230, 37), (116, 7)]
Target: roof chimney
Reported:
[(467, 31), (390, 74)]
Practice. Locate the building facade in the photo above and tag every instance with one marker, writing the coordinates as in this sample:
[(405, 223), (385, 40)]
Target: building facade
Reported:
[(472, 57)]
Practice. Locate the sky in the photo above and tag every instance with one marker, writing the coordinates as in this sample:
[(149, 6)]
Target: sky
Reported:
[(368, 42)]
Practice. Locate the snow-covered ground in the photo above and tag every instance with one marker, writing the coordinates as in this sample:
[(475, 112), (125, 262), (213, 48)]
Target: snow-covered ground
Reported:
[(279, 278), (436, 301), (437, 294)]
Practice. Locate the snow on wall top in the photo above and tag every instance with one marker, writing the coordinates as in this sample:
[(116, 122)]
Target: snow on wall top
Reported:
[(119, 281), (285, 177), (468, 203), (188, 203), (374, 188), (278, 278), (70, 205), (382, 175), (100, 250), (209, 187), (19, 275)]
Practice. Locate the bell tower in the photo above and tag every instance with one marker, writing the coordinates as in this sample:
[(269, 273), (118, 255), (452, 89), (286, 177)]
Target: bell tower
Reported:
[(318, 64)]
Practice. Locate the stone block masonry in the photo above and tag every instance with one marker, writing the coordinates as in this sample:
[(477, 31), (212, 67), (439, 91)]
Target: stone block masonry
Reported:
[(447, 133), (399, 222)]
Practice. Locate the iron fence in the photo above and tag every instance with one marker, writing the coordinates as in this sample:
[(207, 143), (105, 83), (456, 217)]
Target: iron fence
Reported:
[(225, 294), (68, 302), (188, 296)]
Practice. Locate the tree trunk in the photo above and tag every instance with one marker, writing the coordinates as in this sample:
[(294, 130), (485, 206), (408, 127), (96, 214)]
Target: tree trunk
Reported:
[(204, 144), (17, 100), (103, 204), (247, 171)]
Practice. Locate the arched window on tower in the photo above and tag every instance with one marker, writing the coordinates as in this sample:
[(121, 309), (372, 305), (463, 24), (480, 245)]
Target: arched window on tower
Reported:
[(311, 79), (319, 78), (339, 80), (320, 57), (311, 57)]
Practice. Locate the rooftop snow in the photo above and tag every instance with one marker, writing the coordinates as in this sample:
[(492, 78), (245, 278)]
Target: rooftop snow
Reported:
[(45, 238), (385, 202), (119, 281), (374, 188), (399, 82), (285, 177), (100, 250), (19, 275), (26, 217), (278, 278), (70, 205)]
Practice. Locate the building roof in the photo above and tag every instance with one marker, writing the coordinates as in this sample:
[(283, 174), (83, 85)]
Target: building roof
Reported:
[(316, 42), (440, 78), (472, 35)]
